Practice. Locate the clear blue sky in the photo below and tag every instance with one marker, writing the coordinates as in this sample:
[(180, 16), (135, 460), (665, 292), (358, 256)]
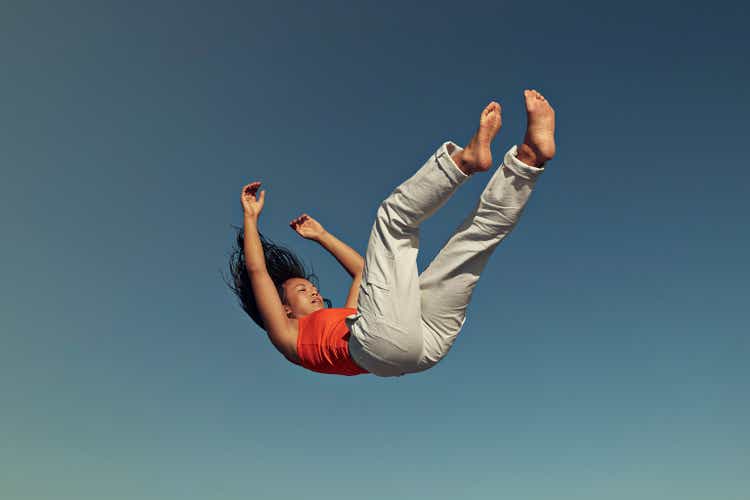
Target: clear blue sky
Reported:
[(617, 369)]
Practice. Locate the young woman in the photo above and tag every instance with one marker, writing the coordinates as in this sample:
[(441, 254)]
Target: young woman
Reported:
[(395, 321)]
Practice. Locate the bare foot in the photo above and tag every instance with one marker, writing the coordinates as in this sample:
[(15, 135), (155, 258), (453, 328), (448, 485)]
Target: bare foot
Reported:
[(539, 143), (477, 156)]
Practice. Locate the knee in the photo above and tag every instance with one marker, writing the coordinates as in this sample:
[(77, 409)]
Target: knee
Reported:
[(390, 219)]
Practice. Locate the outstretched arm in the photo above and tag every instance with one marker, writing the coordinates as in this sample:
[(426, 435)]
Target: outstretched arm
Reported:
[(346, 255), (266, 296), (309, 228)]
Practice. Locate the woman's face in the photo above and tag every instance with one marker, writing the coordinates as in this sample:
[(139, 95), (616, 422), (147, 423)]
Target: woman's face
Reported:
[(302, 298)]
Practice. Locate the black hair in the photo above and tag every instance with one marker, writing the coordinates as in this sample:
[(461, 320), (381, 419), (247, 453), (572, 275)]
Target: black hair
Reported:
[(281, 263)]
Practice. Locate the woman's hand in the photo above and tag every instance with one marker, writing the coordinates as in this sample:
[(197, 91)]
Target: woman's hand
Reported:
[(250, 204), (307, 227)]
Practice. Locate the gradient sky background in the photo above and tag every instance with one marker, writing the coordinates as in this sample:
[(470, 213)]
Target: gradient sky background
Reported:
[(615, 368)]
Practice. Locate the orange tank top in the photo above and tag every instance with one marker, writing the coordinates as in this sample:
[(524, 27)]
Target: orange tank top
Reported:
[(323, 342)]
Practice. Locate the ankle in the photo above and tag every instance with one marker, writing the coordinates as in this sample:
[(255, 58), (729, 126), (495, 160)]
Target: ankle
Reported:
[(527, 155), (461, 162)]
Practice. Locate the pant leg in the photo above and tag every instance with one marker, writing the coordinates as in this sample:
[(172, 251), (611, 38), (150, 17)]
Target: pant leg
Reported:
[(386, 333), (448, 282)]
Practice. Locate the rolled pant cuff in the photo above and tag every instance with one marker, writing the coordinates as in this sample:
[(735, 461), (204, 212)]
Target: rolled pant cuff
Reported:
[(520, 168), (443, 157)]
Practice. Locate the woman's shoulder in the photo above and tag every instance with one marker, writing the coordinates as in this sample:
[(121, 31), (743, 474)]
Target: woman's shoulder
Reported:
[(289, 347)]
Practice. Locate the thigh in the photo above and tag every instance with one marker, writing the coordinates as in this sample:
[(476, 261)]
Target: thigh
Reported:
[(390, 279), (390, 325)]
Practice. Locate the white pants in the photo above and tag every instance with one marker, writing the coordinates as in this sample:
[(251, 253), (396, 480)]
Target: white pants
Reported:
[(407, 322)]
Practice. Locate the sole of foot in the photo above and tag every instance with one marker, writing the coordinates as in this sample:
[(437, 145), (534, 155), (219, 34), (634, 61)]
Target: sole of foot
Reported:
[(477, 156), (539, 142)]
